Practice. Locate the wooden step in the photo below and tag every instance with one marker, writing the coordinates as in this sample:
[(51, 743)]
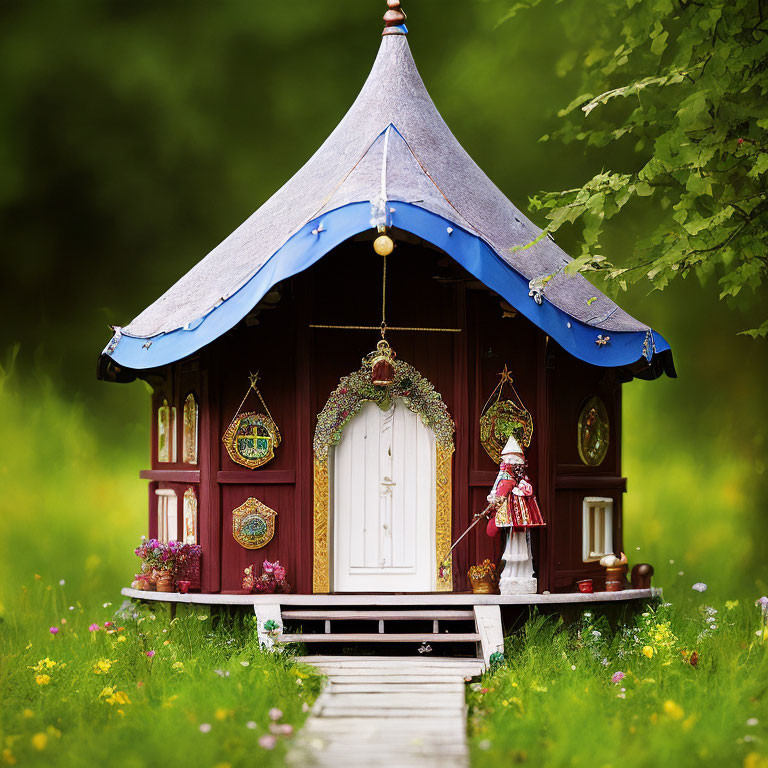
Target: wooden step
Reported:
[(333, 637), (447, 615)]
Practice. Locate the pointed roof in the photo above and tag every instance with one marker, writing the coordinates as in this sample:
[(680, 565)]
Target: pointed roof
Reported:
[(392, 157)]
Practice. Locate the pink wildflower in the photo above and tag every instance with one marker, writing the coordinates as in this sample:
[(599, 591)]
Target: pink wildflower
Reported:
[(763, 603), (94, 628), (617, 677), (275, 713), (700, 586), (281, 729), (267, 741), (205, 727), (107, 624), (54, 630), (150, 654)]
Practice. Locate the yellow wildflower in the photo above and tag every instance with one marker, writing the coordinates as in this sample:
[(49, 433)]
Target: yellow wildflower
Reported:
[(38, 577), (731, 604), (51, 731), (178, 666), (45, 663), (8, 757), (42, 679), (39, 741), (675, 711), (648, 651), (118, 697), (166, 642), (121, 639), (108, 691), (223, 765), (223, 714), (27, 713), (102, 665), (754, 760)]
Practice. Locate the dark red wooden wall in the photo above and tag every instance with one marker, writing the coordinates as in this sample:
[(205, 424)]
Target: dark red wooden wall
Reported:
[(300, 366)]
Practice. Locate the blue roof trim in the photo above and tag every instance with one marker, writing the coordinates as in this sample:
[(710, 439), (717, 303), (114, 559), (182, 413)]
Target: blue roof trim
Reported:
[(321, 235)]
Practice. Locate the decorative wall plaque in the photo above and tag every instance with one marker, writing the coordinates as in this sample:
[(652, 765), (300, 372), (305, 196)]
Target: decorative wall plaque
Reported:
[(501, 419), (593, 432), (251, 438), (253, 524)]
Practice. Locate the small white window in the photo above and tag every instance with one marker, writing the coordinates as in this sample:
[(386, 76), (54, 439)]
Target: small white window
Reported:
[(167, 514), (597, 528)]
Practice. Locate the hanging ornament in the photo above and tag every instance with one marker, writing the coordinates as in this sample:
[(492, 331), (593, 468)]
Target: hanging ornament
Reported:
[(502, 419), (383, 365), (383, 245), (594, 432), (252, 437), (253, 524)]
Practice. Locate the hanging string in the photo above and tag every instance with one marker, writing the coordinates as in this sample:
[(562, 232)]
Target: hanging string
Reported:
[(506, 378), (252, 379), (384, 299)]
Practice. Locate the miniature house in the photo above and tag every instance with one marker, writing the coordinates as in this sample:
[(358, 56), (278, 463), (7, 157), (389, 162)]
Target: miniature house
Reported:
[(358, 487)]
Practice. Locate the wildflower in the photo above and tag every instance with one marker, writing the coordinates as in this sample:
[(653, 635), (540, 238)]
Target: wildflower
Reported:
[(275, 713), (648, 651), (149, 654), (27, 714), (63, 621), (62, 582), (244, 664), (45, 663), (731, 604), (166, 642), (675, 711), (267, 741), (39, 741), (617, 677), (223, 714), (221, 672), (121, 639), (178, 666), (54, 630), (205, 728), (118, 697), (752, 722), (38, 577), (102, 665), (251, 725), (42, 679), (700, 586), (763, 603), (8, 757), (281, 729), (94, 628), (105, 605)]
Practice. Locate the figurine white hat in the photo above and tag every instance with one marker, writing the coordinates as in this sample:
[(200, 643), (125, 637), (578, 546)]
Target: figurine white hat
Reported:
[(512, 447)]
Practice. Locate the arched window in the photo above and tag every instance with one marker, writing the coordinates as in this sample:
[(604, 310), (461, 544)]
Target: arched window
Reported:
[(189, 435), (166, 433), (167, 514), (190, 516)]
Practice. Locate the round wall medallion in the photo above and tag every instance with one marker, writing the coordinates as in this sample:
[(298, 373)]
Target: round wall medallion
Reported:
[(253, 524), (251, 439), (593, 432)]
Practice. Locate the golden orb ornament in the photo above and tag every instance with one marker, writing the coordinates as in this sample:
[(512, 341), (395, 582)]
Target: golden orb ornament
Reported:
[(383, 245)]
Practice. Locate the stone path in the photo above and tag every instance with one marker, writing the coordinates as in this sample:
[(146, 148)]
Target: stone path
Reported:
[(398, 712)]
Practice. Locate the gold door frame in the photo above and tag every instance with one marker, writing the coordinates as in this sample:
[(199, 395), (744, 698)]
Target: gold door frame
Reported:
[(321, 569)]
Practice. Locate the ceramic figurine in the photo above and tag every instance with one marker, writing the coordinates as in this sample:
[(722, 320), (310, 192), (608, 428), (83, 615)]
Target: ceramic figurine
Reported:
[(516, 508)]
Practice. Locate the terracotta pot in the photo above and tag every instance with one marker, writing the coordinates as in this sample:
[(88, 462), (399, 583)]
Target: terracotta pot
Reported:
[(585, 586), (165, 582)]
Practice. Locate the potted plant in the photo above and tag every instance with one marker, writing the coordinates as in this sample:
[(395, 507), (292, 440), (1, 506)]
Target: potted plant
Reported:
[(272, 578), (162, 559), (482, 577)]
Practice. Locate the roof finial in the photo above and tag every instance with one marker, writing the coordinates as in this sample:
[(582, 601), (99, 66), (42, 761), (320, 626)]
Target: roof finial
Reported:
[(394, 19)]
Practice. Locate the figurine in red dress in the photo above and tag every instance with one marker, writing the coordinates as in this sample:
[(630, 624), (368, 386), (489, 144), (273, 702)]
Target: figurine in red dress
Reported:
[(515, 508)]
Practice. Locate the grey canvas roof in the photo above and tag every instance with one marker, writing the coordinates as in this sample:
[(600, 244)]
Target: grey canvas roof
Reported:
[(425, 166)]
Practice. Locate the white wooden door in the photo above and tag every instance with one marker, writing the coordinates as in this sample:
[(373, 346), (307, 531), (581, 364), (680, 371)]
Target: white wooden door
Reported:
[(383, 500)]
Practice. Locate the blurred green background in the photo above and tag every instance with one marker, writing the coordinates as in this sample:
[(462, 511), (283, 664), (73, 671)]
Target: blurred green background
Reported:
[(135, 135)]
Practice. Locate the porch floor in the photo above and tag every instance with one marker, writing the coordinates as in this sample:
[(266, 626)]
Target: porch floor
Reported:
[(416, 598)]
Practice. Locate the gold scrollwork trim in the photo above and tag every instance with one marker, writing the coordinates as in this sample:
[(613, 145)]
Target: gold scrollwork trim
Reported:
[(321, 576), (443, 510)]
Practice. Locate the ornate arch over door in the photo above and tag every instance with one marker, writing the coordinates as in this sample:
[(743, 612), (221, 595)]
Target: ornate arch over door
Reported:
[(420, 397)]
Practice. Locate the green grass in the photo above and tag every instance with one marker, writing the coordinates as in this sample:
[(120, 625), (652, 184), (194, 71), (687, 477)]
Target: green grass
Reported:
[(144, 690), (553, 702)]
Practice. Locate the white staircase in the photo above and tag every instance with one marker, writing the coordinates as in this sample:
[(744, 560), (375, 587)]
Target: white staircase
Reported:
[(461, 633)]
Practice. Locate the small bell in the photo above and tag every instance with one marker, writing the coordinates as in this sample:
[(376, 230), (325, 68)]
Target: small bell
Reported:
[(383, 245), (383, 365)]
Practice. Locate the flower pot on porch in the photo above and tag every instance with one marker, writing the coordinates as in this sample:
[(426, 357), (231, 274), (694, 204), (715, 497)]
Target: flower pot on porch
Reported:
[(165, 581)]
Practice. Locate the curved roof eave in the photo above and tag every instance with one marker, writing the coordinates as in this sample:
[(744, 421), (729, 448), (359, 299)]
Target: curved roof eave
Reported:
[(644, 352)]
